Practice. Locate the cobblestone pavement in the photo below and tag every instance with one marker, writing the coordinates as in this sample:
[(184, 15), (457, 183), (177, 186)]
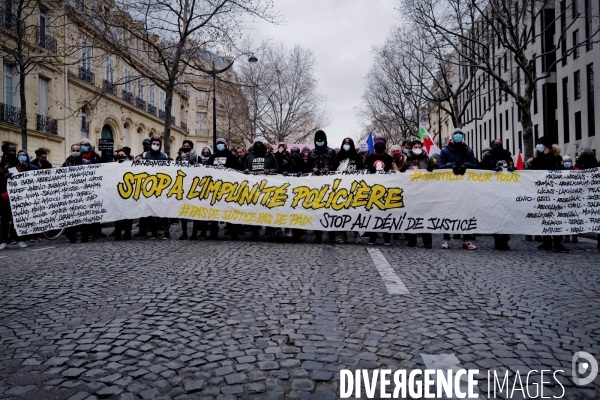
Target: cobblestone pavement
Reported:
[(154, 319)]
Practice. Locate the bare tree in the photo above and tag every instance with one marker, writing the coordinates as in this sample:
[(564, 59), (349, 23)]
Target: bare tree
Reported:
[(165, 42), (498, 40), (282, 94)]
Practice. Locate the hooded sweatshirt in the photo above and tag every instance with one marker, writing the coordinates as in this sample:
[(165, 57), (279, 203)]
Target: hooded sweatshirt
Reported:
[(204, 160), (260, 159), (322, 157), (349, 161), (189, 156), (155, 155), (224, 159)]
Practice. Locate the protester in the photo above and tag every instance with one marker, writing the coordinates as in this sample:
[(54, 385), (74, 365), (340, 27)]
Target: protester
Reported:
[(242, 155), (305, 153), (363, 150), (458, 156), (586, 158), (187, 153), (124, 225), (10, 163), (41, 160), (87, 152), (75, 158), (296, 165), (205, 155), (417, 158), (282, 155), (157, 226), (349, 161), (406, 146), (398, 157), (322, 157), (379, 161), (546, 156), (495, 159)]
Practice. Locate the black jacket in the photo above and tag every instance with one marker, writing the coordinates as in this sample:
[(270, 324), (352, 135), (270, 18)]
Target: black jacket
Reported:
[(550, 162), (259, 164), (586, 161), (459, 154), (155, 155), (322, 156), (490, 159), (296, 165), (45, 164), (282, 158), (372, 159), (74, 162), (224, 159)]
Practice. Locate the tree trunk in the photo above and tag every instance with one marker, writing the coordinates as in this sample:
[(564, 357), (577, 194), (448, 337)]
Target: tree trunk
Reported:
[(527, 125), (167, 134), (23, 111)]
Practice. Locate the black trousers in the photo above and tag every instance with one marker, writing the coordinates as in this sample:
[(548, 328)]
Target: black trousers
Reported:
[(412, 238), (6, 228)]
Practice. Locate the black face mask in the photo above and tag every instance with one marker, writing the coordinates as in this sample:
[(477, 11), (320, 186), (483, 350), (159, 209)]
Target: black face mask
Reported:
[(497, 149), (260, 149), (379, 149), (185, 149), (10, 157), (295, 155)]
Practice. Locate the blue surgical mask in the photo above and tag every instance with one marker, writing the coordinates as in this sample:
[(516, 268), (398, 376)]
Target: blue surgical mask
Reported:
[(540, 148), (320, 144), (220, 147), (405, 150), (346, 147), (458, 138), (23, 158), (363, 148), (567, 164), (84, 149)]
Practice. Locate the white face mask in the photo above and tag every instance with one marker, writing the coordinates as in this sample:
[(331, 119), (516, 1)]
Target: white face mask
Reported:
[(75, 154), (417, 151), (155, 147)]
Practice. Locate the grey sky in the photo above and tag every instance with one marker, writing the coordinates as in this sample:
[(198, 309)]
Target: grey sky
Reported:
[(341, 34)]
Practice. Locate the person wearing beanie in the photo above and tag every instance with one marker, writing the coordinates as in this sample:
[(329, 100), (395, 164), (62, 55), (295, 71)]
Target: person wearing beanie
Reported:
[(380, 161), (546, 157), (41, 160), (155, 153), (322, 157), (497, 158), (458, 156), (305, 153), (222, 157)]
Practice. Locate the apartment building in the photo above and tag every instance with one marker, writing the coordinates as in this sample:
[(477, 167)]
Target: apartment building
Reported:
[(78, 90), (564, 103)]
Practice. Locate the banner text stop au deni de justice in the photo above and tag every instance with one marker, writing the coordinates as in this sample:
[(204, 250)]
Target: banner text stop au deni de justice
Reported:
[(520, 202)]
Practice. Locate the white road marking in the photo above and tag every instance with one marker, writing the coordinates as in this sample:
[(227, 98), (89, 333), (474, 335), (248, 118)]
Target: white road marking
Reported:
[(43, 248), (447, 362), (392, 282)]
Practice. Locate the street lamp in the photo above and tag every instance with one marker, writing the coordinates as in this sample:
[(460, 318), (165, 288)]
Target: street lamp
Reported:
[(252, 59)]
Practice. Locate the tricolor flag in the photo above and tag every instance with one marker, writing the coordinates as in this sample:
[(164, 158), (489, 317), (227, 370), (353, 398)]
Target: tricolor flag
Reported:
[(428, 142), (519, 163)]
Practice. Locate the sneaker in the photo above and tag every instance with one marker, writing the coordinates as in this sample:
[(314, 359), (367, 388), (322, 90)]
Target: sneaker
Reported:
[(183, 237), (3, 246), (387, 243), (528, 238), (22, 245), (446, 245), (559, 248), (159, 232), (13, 242), (32, 240), (468, 246), (357, 239), (140, 234), (341, 238), (544, 247), (372, 240), (152, 237)]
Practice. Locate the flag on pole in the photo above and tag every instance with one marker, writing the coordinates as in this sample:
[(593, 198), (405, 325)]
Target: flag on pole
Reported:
[(370, 143), (519, 163), (428, 142)]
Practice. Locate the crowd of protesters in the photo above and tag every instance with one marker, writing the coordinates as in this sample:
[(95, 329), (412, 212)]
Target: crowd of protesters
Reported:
[(261, 158)]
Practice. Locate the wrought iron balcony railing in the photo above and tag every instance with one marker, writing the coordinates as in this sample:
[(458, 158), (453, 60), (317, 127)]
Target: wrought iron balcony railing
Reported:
[(109, 87), (152, 109), (10, 114), (140, 103), (128, 96), (47, 124), (44, 40), (184, 126)]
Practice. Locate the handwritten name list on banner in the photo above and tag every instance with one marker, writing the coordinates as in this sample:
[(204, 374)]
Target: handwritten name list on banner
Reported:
[(520, 202)]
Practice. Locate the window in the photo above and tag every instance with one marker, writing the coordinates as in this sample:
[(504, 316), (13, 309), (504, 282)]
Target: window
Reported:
[(575, 8), (588, 25), (578, 125), (565, 106), (127, 80), (43, 100), (109, 70), (576, 44), (44, 26), (86, 56), (535, 92), (576, 85), (563, 31), (11, 86), (84, 123), (506, 118), (500, 121), (590, 100), (140, 88), (521, 140), (151, 94), (161, 100)]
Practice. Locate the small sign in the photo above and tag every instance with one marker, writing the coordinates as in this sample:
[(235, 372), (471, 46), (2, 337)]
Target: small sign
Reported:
[(106, 144)]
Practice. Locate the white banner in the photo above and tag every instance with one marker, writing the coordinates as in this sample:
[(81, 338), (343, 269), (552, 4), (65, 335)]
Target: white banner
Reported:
[(519, 202)]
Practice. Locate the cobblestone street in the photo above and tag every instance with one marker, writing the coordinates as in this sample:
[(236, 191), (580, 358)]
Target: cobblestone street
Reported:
[(154, 319)]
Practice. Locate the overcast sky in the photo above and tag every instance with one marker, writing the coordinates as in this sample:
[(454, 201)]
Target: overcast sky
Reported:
[(341, 34)]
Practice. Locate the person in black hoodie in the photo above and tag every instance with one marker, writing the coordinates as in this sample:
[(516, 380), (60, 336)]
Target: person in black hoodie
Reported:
[(322, 158), (494, 160), (223, 157), (348, 159), (259, 160), (282, 155), (376, 162), (295, 165)]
